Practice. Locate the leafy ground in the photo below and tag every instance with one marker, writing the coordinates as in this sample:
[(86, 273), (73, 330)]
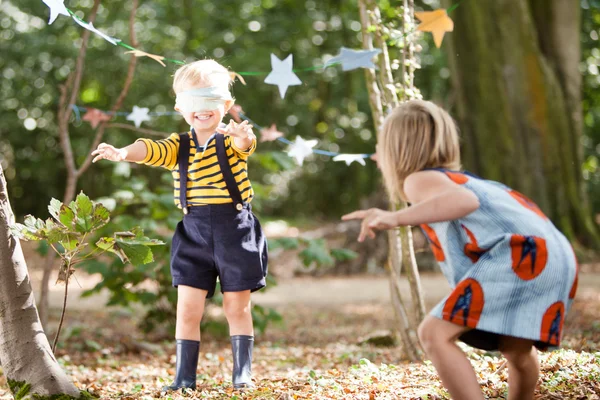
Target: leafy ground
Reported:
[(314, 355)]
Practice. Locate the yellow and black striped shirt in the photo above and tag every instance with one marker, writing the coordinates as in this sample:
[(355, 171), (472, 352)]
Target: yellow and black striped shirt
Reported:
[(205, 181)]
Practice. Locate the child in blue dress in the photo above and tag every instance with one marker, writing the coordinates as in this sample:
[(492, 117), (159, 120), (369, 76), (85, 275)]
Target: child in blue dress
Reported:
[(513, 273)]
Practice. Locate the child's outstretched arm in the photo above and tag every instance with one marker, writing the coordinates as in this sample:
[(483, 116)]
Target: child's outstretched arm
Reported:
[(135, 152), (435, 198)]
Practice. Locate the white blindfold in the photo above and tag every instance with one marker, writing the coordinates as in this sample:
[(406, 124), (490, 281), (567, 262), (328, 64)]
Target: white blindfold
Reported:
[(202, 99)]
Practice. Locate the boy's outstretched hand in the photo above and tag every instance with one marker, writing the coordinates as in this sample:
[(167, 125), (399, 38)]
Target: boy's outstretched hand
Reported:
[(372, 219), (108, 152), (242, 131)]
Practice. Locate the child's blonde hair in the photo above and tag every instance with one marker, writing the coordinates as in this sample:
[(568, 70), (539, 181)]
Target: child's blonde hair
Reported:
[(202, 71), (416, 135)]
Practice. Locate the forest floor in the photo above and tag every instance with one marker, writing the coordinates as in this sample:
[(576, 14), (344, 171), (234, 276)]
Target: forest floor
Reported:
[(315, 353)]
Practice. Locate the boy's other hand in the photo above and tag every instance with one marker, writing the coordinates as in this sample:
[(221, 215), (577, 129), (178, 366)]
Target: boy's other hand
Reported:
[(242, 131), (372, 219), (108, 152)]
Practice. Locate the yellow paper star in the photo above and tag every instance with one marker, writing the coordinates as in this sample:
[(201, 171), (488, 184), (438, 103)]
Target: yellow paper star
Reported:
[(437, 22), (140, 53)]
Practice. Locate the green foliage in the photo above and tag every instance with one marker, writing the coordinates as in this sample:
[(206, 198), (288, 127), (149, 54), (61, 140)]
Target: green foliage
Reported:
[(590, 66), (71, 227), (313, 251), (331, 105)]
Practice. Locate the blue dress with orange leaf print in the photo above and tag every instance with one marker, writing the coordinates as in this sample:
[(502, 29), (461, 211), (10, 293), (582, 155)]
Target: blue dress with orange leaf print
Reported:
[(512, 271)]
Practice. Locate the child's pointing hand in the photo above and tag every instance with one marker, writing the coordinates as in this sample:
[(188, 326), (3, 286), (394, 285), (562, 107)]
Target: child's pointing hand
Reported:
[(372, 219)]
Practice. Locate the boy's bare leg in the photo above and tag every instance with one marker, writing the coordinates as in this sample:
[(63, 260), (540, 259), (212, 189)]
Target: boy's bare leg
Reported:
[(237, 308), (523, 367), (438, 338), (190, 307)]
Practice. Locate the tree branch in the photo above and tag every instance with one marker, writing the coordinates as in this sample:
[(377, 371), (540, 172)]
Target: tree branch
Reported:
[(149, 132), (119, 102)]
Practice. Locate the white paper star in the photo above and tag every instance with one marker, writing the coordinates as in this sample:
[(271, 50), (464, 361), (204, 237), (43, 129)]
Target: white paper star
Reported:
[(353, 59), (350, 158), (301, 148), (138, 115), (282, 74), (56, 7), (90, 27)]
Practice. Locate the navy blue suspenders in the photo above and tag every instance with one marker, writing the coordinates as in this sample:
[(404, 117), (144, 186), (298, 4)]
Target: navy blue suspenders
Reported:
[(183, 159)]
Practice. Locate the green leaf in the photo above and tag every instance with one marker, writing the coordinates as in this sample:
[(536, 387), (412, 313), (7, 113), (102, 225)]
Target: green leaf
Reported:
[(20, 231), (66, 216), (316, 252), (54, 208), (285, 242), (137, 388), (343, 254), (69, 243), (84, 205), (34, 224), (137, 254), (55, 233), (100, 216), (110, 244), (92, 344)]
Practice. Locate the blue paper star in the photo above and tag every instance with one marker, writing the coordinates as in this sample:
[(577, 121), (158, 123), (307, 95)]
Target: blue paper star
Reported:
[(282, 74), (353, 59)]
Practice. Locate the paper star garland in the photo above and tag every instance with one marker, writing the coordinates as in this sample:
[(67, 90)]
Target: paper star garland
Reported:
[(56, 7), (139, 115), (90, 27), (353, 59), (350, 158), (270, 134), (437, 22), (300, 149), (94, 117), (282, 74), (140, 53)]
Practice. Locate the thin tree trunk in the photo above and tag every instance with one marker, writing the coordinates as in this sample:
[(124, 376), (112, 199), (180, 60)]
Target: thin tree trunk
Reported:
[(69, 93), (24, 349), (401, 250), (514, 67)]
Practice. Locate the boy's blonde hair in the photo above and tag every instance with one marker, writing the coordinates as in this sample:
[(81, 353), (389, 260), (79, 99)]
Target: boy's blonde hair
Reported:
[(416, 135), (202, 71)]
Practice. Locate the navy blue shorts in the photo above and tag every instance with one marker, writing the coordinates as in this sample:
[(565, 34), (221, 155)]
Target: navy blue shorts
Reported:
[(214, 241)]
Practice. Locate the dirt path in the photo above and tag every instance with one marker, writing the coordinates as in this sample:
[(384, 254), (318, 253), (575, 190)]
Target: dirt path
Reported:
[(309, 291)]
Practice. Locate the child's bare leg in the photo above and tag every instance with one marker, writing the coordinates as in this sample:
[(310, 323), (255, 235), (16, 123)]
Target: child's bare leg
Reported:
[(236, 306), (190, 307), (523, 367), (438, 338)]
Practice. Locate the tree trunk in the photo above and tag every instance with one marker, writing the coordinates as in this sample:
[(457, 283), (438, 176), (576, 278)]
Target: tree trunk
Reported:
[(514, 67), (401, 250), (24, 349)]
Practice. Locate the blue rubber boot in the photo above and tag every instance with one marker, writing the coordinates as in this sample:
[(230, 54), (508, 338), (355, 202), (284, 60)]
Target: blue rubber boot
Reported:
[(242, 346), (187, 362)]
